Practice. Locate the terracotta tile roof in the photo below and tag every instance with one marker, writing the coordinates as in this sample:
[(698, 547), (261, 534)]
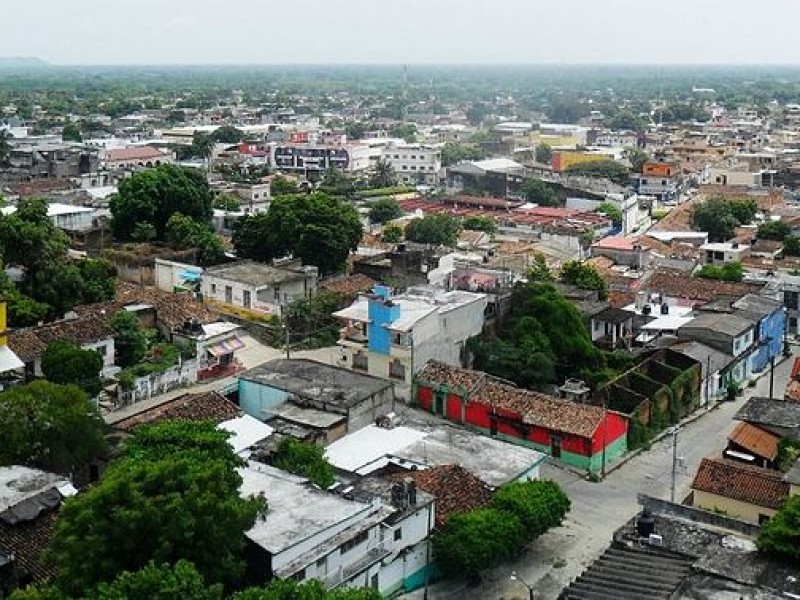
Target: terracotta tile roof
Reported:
[(204, 406), (27, 540), (172, 310), (792, 393), (26, 344), (456, 490), (138, 153), (756, 440), (677, 284), (451, 377), (745, 483), (348, 286), (31, 343)]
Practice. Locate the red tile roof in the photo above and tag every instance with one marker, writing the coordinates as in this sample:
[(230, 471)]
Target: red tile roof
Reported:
[(756, 440), (138, 153), (31, 343), (204, 406), (348, 286), (172, 310), (456, 490), (678, 285), (27, 541), (745, 483)]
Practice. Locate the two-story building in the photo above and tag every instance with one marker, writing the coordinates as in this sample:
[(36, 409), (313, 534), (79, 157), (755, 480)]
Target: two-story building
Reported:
[(258, 287), (660, 179), (394, 336), (771, 330), (723, 252)]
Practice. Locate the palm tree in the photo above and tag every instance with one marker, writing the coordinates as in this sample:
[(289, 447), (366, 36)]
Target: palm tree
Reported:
[(383, 175)]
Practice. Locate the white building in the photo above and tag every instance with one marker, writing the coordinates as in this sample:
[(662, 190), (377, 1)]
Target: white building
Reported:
[(64, 216), (414, 163), (724, 252), (370, 535)]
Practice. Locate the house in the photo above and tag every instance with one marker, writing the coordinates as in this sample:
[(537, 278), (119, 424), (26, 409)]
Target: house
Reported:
[(623, 250), (660, 179), (753, 445), (612, 327), (498, 176), (715, 367), (776, 416), (413, 447), (134, 157), (582, 435), (728, 333), (89, 332), (258, 287), (744, 492), (29, 502), (373, 535), (414, 163), (64, 216), (677, 288), (771, 329), (213, 344), (724, 252), (394, 336), (359, 398), (786, 289)]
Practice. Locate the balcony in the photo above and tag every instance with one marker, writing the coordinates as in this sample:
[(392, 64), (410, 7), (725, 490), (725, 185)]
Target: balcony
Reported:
[(358, 565)]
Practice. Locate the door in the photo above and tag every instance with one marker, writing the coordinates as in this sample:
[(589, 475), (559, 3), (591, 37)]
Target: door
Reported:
[(246, 299), (555, 446), (438, 403), (228, 294)]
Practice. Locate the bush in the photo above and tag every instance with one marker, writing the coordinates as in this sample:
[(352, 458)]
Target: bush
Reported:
[(728, 272), (539, 505), (781, 535), (304, 459)]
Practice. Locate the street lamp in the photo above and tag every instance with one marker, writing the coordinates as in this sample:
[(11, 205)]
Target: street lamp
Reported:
[(531, 591)]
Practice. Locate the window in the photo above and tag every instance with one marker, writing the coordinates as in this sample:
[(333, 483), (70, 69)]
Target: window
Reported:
[(397, 370), (414, 157), (278, 294), (405, 167), (213, 288), (360, 361), (321, 562), (397, 156), (413, 167), (300, 575), (350, 544), (398, 534)]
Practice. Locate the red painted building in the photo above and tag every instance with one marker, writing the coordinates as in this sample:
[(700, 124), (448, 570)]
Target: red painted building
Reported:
[(582, 435)]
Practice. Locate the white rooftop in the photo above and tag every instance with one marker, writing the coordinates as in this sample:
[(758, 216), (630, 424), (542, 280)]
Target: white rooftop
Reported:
[(724, 247), (17, 484), (53, 210), (247, 431), (218, 328), (497, 164), (363, 447)]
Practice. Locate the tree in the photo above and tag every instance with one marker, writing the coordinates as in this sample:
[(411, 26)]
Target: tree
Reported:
[(307, 590), (5, 146), (605, 169), (479, 223), (227, 202), (407, 131), (780, 536), (202, 146), (732, 271), (180, 581), (539, 505), (317, 228), (99, 280), (154, 195), (392, 234), (612, 211), (539, 271), (71, 133), (49, 426), (384, 209), (304, 459), (227, 134), (743, 209), (543, 153), (336, 183), (476, 540), (719, 218), (637, 157), (626, 120), (355, 130), (183, 232), (791, 245), (584, 276), (65, 363), (281, 186), (29, 239), (439, 230), (130, 340), (773, 230), (166, 499), (383, 175), (455, 153), (536, 190)]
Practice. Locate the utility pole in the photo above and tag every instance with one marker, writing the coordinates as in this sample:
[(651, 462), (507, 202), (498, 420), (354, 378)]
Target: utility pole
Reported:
[(605, 425), (674, 462), (771, 376)]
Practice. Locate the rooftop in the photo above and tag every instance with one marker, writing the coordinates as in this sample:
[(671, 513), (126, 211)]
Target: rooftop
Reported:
[(755, 440), (22, 484), (316, 383), (771, 413), (676, 284), (254, 274), (727, 324), (737, 481), (710, 358)]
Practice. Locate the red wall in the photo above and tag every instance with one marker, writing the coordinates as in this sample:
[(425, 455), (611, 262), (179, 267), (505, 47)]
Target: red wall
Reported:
[(424, 397), (454, 407), (616, 426)]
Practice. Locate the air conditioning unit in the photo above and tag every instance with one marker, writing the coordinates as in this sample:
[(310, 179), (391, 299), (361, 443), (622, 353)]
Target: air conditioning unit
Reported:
[(655, 539)]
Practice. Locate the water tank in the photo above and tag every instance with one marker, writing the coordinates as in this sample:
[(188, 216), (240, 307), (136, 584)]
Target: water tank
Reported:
[(646, 525), (665, 309), (646, 309)]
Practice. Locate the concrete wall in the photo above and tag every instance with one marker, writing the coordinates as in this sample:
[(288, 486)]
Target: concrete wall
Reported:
[(167, 274), (732, 508), (179, 376), (365, 413), (255, 398), (453, 329)]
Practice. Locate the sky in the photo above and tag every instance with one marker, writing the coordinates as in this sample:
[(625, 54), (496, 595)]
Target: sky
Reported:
[(105, 32)]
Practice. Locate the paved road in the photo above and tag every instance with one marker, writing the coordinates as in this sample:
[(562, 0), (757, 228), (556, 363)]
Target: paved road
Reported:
[(598, 509)]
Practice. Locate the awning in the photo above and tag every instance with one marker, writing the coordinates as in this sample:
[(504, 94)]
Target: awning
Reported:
[(226, 346), (8, 360)]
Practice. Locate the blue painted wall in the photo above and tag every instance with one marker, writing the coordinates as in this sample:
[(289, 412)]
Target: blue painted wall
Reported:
[(771, 327), (381, 313), (256, 398)]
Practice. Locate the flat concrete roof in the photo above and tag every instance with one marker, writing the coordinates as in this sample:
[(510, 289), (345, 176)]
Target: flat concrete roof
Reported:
[(18, 484), (316, 382), (253, 273), (305, 416), (297, 510)]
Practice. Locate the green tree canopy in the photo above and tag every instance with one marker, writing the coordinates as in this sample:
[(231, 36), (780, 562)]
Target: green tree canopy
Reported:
[(355, 130), (307, 590), (637, 157), (29, 239), (184, 232), (71, 133), (180, 581), (392, 234), (773, 230), (281, 186), (154, 195), (539, 505), (479, 223), (455, 153), (603, 169), (384, 209), (49, 426), (65, 363), (780, 536), (612, 211), (583, 275), (316, 228), (130, 340), (227, 202), (383, 175), (732, 271), (227, 134), (721, 216), (440, 230), (543, 153), (791, 245), (336, 183), (305, 459), (536, 190), (165, 500)]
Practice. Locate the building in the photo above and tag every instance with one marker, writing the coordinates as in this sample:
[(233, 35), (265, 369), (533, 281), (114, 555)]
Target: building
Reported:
[(64, 216), (498, 176), (715, 367), (414, 163), (43, 160), (778, 417), (581, 435), (752, 445), (744, 492), (213, 344), (660, 179), (258, 287), (309, 384), (135, 157), (728, 333), (724, 252), (372, 534), (623, 250), (771, 320), (394, 336), (314, 159)]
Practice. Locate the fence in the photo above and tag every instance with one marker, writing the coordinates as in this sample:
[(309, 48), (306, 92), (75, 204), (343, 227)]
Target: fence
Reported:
[(145, 387)]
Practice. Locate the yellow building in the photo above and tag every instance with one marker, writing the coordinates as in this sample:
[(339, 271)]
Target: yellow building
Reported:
[(738, 490), (8, 360)]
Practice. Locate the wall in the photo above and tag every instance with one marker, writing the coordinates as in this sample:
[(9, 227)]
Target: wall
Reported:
[(167, 274), (369, 409), (256, 398), (442, 336), (771, 327), (381, 313), (179, 376), (733, 508), (561, 161)]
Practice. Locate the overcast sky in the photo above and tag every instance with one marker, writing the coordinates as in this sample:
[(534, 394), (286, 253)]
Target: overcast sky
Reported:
[(402, 31)]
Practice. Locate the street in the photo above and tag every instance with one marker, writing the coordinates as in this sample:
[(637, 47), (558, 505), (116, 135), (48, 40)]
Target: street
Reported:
[(599, 509)]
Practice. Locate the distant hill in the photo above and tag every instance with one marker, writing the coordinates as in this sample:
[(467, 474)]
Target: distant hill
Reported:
[(21, 62)]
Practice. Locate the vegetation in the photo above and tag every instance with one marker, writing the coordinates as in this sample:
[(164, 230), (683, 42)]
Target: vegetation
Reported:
[(455, 153), (384, 209), (537, 191), (183, 233), (479, 223), (317, 228), (791, 245), (438, 230), (310, 322), (612, 211), (65, 363), (539, 505), (584, 276), (49, 426), (383, 175), (130, 341), (392, 234), (731, 271), (720, 216), (173, 495), (637, 157), (385, 191), (304, 459), (543, 153), (281, 186), (788, 453), (773, 230), (227, 202), (151, 197), (604, 169), (780, 536)]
